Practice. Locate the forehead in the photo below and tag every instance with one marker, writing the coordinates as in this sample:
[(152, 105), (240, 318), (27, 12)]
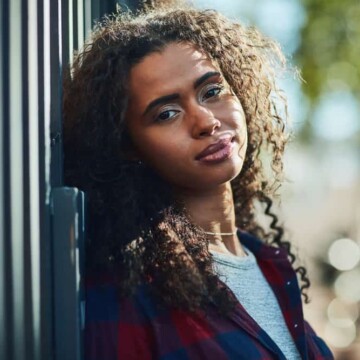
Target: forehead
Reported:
[(168, 71)]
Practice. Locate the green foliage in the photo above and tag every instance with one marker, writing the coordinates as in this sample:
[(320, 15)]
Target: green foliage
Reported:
[(329, 54)]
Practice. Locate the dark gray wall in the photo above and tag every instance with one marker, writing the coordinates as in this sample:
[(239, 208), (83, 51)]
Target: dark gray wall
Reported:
[(41, 221)]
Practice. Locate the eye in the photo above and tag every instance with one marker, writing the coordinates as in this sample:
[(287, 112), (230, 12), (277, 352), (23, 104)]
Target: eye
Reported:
[(166, 115), (212, 91)]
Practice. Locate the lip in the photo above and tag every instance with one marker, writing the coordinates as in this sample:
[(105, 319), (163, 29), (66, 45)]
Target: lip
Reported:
[(218, 151)]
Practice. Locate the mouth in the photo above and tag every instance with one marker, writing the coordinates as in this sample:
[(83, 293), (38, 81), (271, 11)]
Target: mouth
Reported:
[(218, 151)]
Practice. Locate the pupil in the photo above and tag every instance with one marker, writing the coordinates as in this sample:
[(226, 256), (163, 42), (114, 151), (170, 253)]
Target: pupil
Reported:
[(212, 92), (164, 115)]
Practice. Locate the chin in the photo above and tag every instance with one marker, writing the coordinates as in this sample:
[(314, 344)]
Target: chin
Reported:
[(234, 168), (224, 177), (208, 178), (238, 169)]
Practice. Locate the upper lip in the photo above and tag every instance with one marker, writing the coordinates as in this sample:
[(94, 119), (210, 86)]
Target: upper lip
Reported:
[(214, 147)]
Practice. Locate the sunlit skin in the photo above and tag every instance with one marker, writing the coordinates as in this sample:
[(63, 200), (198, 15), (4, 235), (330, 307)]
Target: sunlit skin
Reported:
[(179, 104)]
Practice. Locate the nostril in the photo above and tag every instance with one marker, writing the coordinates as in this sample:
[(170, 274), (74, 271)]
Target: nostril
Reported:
[(207, 127)]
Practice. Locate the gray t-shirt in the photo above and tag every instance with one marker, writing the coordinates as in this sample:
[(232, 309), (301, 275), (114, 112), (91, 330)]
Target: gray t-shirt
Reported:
[(244, 277)]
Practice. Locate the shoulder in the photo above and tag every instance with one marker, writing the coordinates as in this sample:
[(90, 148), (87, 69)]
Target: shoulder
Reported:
[(317, 347)]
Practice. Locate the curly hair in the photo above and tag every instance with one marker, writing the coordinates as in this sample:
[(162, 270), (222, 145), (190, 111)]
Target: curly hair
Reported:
[(136, 229)]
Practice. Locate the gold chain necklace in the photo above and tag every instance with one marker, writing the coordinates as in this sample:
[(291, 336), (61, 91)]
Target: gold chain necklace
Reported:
[(222, 234)]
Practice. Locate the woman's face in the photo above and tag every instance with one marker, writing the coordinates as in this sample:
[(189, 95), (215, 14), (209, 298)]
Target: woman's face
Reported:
[(184, 120)]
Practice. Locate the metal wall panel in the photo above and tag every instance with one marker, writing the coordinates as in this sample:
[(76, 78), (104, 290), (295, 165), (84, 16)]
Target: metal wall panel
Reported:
[(17, 174), (5, 303), (66, 203), (53, 47), (68, 230), (3, 348), (25, 296), (41, 222), (44, 150)]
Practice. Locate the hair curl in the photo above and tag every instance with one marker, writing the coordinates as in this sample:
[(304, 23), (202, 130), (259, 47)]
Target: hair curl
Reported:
[(135, 227)]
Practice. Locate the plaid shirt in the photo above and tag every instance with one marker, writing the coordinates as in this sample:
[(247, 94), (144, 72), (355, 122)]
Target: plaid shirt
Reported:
[(135, 328)]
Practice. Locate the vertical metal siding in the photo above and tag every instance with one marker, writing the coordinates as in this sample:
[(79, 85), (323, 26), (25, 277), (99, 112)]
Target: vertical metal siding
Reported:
[(54, 47), (16, 73), (3, 348), (68, 230), (46, 342), (41, 222), (5, 260), (25, 154)]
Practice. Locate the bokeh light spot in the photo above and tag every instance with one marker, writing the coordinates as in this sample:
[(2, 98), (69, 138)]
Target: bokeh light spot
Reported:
[(347, 286), (342, 314), (339, 337), (344, 254)]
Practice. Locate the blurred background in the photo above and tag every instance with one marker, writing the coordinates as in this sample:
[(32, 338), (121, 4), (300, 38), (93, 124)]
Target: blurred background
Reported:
[(42, 223), (321, 197)]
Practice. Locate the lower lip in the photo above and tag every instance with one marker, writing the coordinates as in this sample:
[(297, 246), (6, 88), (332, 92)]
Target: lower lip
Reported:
[(220, 155)]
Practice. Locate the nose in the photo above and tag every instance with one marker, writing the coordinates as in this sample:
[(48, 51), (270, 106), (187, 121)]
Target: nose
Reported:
[(204, 122)]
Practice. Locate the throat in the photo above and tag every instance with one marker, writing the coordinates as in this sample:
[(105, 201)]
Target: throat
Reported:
[(214, 212), (232, 246)]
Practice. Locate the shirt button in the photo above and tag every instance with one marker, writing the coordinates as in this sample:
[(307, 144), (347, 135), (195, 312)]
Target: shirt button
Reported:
[(288, 283), (296, 325), (277, 252)]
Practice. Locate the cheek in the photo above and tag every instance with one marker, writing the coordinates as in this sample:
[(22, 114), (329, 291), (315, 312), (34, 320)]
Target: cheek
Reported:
[(243, 146), (231, 112), (160, 151)]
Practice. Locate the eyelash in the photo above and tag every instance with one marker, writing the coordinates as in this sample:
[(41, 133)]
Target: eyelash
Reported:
[(212, 87), (218, 87), (158, 118)]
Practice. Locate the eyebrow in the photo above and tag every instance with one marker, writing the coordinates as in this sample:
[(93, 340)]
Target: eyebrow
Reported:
[(204, 77), (171, 97)]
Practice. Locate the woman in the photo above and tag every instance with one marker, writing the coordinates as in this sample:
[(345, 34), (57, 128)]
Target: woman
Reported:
[(167, 114)]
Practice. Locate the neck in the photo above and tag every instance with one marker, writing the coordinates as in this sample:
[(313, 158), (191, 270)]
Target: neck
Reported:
[(213, 211)]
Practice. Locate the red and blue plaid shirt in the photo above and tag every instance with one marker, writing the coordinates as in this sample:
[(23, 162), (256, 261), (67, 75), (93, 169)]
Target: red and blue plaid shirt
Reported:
[(135, 328)]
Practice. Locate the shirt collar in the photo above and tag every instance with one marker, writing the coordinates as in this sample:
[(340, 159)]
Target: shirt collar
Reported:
[(261, 250)]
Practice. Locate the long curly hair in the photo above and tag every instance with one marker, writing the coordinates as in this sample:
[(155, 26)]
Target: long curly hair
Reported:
[(135, 229)]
